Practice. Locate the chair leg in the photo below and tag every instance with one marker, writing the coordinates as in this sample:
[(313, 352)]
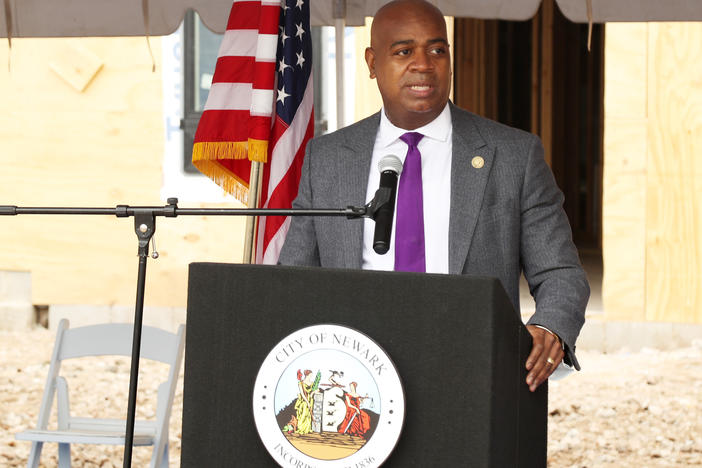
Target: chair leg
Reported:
[(64, 455), (164, 459), (34, 455)]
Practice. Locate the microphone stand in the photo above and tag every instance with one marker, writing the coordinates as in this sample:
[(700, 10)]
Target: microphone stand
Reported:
[(144, 227)]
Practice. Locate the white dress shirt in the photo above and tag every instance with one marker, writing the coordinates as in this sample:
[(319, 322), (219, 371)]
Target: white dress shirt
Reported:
[(435, 149)]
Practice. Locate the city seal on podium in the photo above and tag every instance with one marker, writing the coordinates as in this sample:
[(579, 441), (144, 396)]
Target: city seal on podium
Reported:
[(328, 396)]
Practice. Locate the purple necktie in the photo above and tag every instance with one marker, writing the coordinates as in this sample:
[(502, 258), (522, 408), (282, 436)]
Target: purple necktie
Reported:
[(409, 227)]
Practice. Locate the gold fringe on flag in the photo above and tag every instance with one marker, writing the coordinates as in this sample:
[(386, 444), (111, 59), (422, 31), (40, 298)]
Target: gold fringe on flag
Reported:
[(225, 178), (206, 157), (213, 150), (258, 150)]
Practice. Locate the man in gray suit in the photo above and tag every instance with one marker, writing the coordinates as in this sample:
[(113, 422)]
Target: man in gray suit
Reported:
[(490, 203)]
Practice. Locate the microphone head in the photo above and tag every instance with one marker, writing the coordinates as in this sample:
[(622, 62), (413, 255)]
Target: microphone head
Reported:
[(390, 163)]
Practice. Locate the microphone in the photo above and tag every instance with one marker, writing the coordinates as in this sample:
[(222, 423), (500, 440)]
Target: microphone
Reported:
[(390, 167)]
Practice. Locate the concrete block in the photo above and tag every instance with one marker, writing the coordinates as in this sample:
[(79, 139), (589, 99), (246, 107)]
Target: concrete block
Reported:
[(592, 336), (15, 286), (161, 317), (122, 314), (78, 315), (611, 336), (16, 309), (16, 317), (634, 336), (685, 333), (179, 317), (166, 318)]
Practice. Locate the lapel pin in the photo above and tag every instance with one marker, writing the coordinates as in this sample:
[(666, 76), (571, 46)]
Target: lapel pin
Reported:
[(478, 162)]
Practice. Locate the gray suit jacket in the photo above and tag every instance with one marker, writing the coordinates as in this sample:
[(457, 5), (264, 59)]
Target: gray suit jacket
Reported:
[(505, 217)]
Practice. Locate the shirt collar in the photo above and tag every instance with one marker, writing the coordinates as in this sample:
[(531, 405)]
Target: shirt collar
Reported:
[(438, 129)]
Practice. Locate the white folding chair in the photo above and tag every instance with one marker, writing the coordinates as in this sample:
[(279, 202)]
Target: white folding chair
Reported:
[(105, 340)]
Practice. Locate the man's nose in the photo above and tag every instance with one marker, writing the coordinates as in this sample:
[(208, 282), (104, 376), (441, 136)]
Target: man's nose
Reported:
[(422, 62)]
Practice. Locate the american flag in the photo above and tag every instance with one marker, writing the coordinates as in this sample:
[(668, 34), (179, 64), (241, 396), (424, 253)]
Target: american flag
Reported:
[(264, 63), (293, 125)]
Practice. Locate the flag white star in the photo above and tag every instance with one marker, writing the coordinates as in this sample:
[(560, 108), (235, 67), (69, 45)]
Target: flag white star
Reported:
[(282, 95), (283, 36), (282, 65), (300, 31), (299, 4), (300, 59), (284, 5)]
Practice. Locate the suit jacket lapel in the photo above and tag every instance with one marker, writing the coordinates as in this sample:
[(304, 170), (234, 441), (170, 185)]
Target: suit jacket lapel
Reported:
[(467, 186), (354, 165)]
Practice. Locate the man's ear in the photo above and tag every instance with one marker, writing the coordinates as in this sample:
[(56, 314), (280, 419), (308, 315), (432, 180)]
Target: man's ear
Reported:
[(370, 61)]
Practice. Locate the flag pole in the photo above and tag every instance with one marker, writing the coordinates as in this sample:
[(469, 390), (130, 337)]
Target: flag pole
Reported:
[(252, 221)]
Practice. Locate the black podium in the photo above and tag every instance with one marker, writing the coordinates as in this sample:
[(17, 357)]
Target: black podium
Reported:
[(456, 341)]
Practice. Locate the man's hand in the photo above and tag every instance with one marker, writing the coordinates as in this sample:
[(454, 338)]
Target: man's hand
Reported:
[(546, 354)]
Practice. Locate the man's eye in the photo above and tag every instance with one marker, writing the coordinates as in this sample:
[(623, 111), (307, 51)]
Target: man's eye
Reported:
[(438, 51), (402, 52)]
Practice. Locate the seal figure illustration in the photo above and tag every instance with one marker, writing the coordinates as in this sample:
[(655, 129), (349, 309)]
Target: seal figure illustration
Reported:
[(328, 396)]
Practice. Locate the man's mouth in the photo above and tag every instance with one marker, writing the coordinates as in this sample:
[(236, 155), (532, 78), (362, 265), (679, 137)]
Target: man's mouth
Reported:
[(420, 89)]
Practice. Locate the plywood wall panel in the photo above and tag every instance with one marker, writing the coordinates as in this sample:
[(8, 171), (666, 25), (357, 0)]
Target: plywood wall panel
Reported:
[(625, 70), (125, 83), (624, 172), (625, 147), (674, 208), (624, 269), (92, 260), (101, 147), (91, 152), (673, 281)]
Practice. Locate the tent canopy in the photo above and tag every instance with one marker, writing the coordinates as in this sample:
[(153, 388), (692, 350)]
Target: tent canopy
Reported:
[(76, 18)]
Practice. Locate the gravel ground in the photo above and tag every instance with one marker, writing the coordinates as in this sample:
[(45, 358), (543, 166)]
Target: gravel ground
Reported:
[(625, 409)]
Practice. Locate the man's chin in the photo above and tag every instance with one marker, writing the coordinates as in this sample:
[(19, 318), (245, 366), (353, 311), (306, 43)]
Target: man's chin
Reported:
[(415, 114), (425, 106), (430, 111)]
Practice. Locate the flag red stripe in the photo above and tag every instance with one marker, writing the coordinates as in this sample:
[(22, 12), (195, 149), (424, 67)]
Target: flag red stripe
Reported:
[(223, 125), (244, 15), (279, 129), (260, 128), (231, 69), (290, 183), (276, 132), (265, 76), (286, 190), (269, 22), (240, 167)]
